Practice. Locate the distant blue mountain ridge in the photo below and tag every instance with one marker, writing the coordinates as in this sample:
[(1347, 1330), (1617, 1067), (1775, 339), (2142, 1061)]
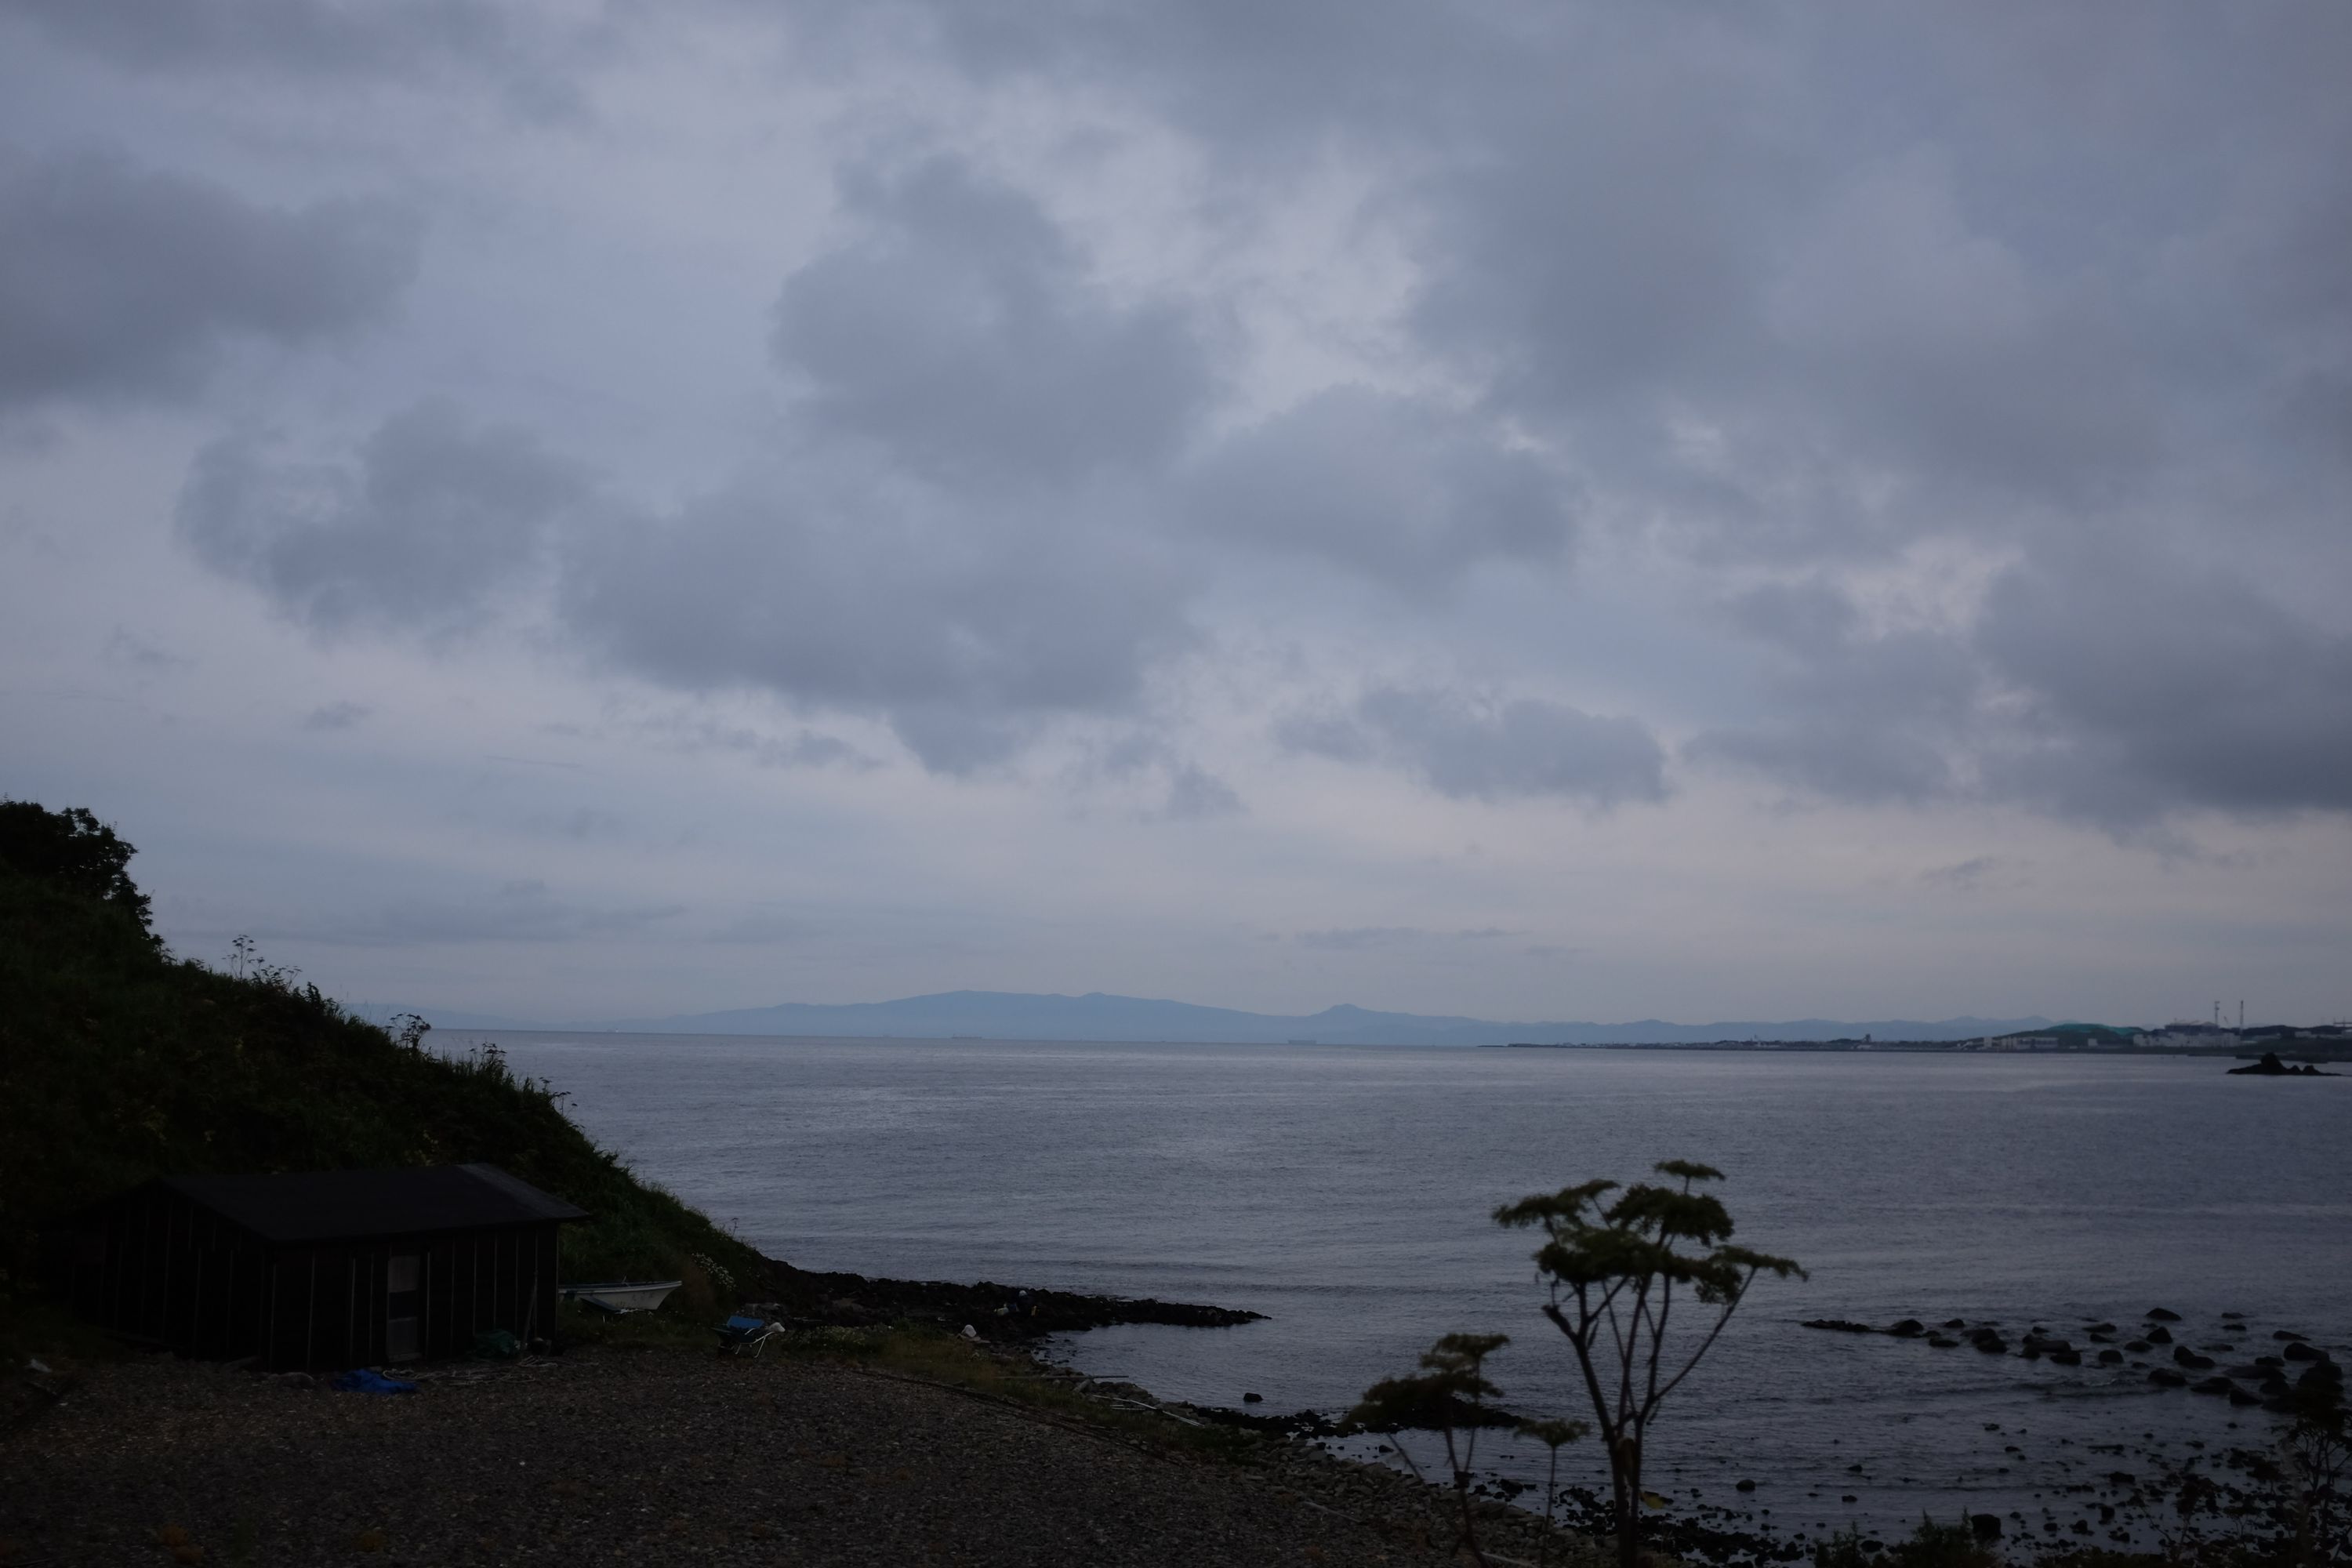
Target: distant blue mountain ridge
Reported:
[(1013, 1015)]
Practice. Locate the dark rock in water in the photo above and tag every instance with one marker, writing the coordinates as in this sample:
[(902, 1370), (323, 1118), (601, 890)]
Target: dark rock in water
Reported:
[(2321, 1378), (1991, 1345), (2167, 1377), (2269, 1360), (2218, 1347), (2102, 1328), (1943, 1341), (2111, 1358), (2215, 1386), (2183, 1356), (2270, 1066), (2284, 1334), (1955, 1322), (1747, 1486), (2299, 1351), (2240, 1397), (2161, 1315), (2233, 1314), (2067, 1357), (2159, 1336), (1839, 1326), (2136, 1347), (1909, 1328), (2122, 1479), (1986, 1526), (1253, 1398)]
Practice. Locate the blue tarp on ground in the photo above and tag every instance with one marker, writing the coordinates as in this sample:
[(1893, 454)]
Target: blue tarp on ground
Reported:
[(360, 1380)]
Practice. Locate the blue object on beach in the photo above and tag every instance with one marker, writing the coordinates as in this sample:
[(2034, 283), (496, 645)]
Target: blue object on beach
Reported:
[(740, 1333), (360, 1380)]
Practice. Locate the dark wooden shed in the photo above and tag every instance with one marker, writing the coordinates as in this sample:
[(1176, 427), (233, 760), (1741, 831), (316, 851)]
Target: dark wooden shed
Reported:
[(333, 1268)]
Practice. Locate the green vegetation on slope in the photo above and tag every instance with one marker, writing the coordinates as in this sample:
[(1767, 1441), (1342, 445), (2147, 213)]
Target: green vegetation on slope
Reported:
[(118, 1062)]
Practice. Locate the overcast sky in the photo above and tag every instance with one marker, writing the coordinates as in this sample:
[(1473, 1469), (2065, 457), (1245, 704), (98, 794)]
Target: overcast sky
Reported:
[(1706, 510)]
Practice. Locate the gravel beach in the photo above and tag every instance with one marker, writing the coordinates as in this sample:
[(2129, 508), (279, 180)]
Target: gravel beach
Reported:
[(655, 1456)]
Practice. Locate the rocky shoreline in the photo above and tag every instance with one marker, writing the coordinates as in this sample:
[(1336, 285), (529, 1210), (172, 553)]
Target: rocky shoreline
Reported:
[(996, 1313)]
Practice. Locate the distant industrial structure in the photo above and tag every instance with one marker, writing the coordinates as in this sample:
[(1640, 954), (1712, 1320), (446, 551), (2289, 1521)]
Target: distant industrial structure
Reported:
[(2192, 1033)]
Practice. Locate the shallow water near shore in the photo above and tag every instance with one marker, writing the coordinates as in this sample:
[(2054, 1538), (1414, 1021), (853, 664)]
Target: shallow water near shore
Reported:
[(1344, 1193)]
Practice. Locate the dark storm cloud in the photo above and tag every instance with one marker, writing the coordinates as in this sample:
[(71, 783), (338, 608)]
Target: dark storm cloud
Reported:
[(1471, 748), (122, 282), (960, 333), (429, 523), (1402, 491)]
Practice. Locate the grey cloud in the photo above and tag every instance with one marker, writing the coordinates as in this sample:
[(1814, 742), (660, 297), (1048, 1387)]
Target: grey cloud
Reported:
[(2151, 685), (763, 928), (524, 911), (1472, 748), (959, 332), (1404, 490), (2119, 689), (1359, 939), (1965, 875), (1805, 287), (525, 52), (119, 281), (1141, 755), (335, 716), (431, 520), (967, 630), (804, 748), (136, 653), (1860, 715), (1196, 794)]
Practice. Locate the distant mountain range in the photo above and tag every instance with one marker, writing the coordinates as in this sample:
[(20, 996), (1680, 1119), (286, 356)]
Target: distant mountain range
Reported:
[(1011, 1015)]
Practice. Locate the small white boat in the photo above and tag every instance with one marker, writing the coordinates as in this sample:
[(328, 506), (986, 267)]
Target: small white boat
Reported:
[(623, 1295)]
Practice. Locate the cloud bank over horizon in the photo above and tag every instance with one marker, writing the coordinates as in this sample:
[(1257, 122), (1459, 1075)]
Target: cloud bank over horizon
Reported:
[(1803, 512)]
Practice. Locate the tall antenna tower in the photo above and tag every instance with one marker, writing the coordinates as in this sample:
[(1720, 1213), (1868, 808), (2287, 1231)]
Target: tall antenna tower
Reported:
[(2241, 1015)]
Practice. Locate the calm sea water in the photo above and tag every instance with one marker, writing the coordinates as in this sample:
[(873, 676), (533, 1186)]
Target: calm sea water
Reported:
[(1344, 1194)]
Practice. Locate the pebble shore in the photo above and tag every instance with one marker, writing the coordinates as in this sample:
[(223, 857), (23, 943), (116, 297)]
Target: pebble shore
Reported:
[(646, 1457)]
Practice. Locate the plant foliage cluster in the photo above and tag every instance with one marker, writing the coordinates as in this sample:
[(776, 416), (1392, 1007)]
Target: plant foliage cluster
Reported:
[(118, 1062)]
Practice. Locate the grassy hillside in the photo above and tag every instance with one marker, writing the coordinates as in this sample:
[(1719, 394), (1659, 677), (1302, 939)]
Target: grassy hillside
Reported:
[(118, 1062)]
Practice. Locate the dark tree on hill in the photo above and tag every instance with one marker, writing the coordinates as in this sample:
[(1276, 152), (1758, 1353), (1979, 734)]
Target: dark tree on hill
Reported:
[(74, 851)]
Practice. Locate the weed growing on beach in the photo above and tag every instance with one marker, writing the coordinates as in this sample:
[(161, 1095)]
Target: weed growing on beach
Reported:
[(1613, 1269), (1932, 1546), (1449, 1395)]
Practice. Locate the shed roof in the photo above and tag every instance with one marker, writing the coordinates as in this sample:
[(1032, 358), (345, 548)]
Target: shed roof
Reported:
[(339, 1206)]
